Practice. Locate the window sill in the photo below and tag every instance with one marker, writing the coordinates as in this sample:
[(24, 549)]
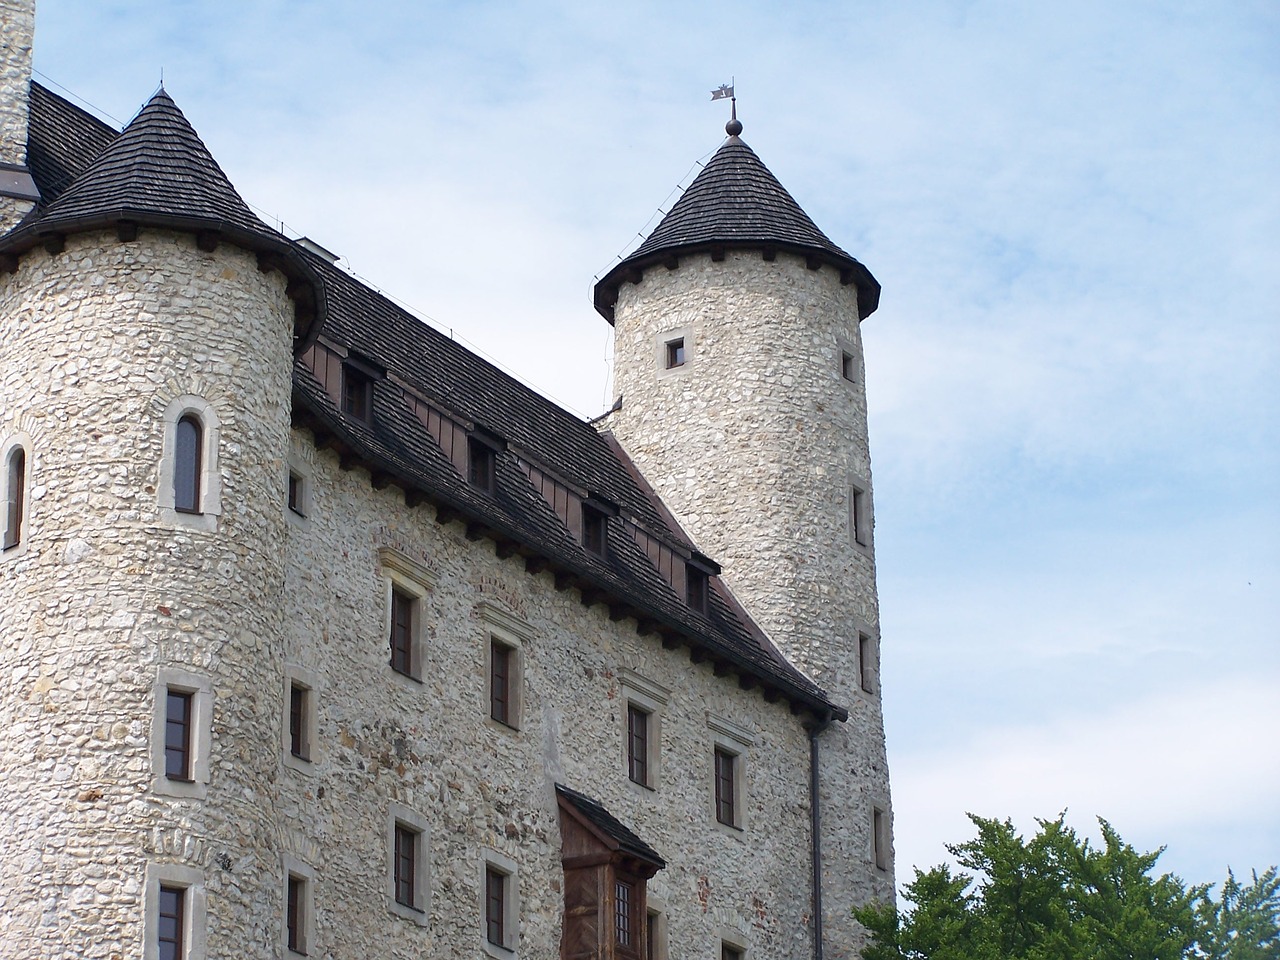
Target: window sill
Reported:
[(405, 912), (498, 952), (183, 789)]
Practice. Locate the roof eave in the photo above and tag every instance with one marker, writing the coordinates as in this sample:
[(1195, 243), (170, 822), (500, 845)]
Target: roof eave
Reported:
[(305, 287), (631, 270)]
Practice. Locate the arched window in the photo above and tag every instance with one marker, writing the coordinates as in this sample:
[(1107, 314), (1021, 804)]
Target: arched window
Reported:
[(15, 496), (188, 441)]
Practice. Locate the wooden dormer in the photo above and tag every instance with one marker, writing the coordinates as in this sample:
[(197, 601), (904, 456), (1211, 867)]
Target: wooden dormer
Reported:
[(606, 867)]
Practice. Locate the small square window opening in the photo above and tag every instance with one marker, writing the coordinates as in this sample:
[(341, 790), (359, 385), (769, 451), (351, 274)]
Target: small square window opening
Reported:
[(675, 353)]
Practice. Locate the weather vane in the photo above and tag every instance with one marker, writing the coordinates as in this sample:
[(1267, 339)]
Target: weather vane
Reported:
[(725, 92)]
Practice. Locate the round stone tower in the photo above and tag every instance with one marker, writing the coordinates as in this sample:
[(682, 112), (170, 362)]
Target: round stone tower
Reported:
[(146, 342), (738, 360)]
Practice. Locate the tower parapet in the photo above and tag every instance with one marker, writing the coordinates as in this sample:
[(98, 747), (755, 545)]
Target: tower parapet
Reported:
[(738, 358)]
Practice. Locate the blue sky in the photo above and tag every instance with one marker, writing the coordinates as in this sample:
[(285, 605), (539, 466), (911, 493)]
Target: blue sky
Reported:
[(1074, 211)]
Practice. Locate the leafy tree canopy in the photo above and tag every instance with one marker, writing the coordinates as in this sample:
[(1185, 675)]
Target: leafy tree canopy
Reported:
[(1058, 897)]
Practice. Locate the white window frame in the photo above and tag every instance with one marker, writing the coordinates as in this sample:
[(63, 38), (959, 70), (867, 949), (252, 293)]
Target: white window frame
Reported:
[(408, 576), (511, 632), (201, 690), (11, 444), (309, 681), (651, 697), (293, 867), (210, 471), (736, 740), (492, 859), (420, 911), (195, 909)]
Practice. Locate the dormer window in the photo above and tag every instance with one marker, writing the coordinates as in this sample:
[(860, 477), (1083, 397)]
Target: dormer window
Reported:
[(696, 587), (594, 529), (481, 465), (357, 394)]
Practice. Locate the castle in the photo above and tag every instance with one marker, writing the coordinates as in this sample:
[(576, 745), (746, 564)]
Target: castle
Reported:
[(323, 637)]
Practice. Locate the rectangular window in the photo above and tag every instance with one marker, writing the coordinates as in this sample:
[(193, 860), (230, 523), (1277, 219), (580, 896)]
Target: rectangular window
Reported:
[(170, 930), (880, 838), (623, 905), (299, 714), (495, 906), (859, 517), (357, 394), (846, 365), (675, 353), (177, 735), (501, 662), (481, 465), (695, 588), (595, 526), (295, 914), (726, 792), (403, 616), (729, 952), (15, 497), (297, 488), (406, 866), (638, 744), (866, 674), (652, 925)]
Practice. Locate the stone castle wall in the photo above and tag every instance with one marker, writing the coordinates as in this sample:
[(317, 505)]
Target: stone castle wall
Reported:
[(106, 592), (757, 443), (18, 18), (109, 591)]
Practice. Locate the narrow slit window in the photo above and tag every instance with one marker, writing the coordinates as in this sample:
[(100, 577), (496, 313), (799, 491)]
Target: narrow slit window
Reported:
[(297, 494), (299, 710), (295, 914), (403, 615), (172, 917), (865, 667), (16, 501), (495, 906), (675, 355), (501, 664), (177, 735), (846, 366), (726, 793), (187, 455), (638, 744), (859, 517), (880, 838), (406, 866)]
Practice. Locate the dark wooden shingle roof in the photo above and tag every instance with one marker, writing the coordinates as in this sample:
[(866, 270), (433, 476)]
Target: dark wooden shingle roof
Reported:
[(158, 173), (610, 826), (735, 202)]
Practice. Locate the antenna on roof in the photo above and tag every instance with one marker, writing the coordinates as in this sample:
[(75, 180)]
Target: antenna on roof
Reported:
[(725, 92)]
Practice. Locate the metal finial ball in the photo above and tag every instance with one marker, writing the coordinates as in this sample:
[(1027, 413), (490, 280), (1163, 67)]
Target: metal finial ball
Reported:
[(733, 127)]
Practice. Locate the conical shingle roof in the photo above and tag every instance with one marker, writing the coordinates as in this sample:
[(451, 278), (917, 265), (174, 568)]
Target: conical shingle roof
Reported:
[(159, 173), (736, 202), (158, 166)]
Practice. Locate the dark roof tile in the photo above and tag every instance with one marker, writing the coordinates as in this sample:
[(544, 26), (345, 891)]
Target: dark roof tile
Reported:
[(600, 818)]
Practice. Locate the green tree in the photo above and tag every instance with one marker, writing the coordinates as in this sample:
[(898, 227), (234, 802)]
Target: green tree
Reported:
[(1053, 897), (1244, 923)]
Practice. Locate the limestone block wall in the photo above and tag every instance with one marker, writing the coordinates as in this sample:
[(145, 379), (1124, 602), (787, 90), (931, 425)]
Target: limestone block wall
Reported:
[(758, 443), (386, 741), (108, 593), (19, 20)]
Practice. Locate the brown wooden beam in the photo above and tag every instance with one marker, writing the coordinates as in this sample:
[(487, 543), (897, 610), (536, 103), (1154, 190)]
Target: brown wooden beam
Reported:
[(671, 261), (846, 277), (8, 263), (771, 694), (268, 261), (645, 626), (445, 514), (634, 275), (207, 240), (769, 254), (126, 231), (697, 655), (670, 641), (812, 262), (618, 611), (535, 564), (564, 580), (348, 460), (721, 668), (414, 497), (476, 530), (505, 548), (747, 682), (717, 253), (591, 596), (381, 480), (54, 243)]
